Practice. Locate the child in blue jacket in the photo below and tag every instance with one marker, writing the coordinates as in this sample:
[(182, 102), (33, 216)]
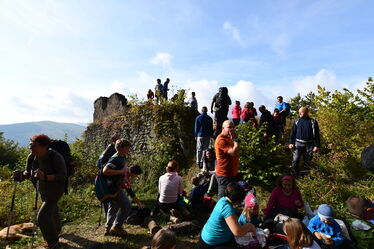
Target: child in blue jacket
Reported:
[(325, 228)]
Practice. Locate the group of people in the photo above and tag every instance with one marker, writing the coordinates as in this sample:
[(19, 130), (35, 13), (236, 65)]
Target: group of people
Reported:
[(161, 91), (220, 164)]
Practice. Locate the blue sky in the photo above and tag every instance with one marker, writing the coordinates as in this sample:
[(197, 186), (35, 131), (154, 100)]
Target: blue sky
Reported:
[(57, 57)]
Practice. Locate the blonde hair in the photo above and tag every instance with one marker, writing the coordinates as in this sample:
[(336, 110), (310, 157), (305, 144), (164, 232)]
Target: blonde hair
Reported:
[(247, 213), (297, 233)]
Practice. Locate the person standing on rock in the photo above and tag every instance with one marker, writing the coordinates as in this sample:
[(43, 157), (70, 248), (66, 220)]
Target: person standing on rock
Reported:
[(203, 133), (159, 91), (165, 88), (120, 206), (227, 156), (221, 102), (193, 101)]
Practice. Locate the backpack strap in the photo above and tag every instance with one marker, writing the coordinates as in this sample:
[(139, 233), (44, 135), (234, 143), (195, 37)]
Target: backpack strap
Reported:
[(297, 121)]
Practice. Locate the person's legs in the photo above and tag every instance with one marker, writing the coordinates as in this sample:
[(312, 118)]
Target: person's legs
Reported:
[(308, 156), (222, 183), (112, 212), (124, 204), (199, 151), (297, 153), (212, 185), (47, 221)]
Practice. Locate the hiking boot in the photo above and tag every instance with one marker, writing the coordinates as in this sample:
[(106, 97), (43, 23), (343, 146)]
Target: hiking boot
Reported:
[(117, 231), (51, 244), (107, 231)]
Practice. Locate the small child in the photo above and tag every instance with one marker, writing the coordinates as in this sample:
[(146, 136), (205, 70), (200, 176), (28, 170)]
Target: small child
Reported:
[(196, 196), (325, 228), (298, 235), (163, 239), (250, 211)]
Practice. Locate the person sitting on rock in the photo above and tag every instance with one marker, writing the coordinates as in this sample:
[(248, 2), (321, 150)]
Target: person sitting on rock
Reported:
[(150, 95)]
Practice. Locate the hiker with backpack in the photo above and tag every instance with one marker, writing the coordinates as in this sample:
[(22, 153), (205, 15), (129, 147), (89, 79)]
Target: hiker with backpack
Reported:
[(119, 205), (221, 102), (304, 139), (165, 89), (48, 172), (284, 109)]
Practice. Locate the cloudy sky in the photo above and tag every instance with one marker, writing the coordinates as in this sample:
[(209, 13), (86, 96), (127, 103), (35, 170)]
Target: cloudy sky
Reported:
[(57, 57)]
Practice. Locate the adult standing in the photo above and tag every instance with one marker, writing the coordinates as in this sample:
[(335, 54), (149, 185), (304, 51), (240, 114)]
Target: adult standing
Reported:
[(249, 113), (203, 133), (284, 109), (120, 206), (48, 171), (221, 102), (267, 120), (192, 102), (304, 139), (165, 88), (159, 88), (236, 112), (227, 156), (222, 225)]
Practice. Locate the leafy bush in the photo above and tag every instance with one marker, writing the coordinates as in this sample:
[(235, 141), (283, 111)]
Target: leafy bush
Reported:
[(261, 159)]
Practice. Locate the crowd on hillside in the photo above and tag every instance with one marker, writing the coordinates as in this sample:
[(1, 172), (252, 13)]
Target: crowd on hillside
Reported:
[(217, 155)]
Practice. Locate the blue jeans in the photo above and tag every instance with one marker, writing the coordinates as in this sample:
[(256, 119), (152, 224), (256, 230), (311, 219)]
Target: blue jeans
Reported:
[(118, 210)]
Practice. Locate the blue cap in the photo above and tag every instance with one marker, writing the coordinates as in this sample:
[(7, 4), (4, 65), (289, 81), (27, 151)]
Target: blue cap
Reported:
[(325, 212)]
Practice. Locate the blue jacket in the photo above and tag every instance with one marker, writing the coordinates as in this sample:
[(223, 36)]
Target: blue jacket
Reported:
[(203, 125), (333, 229)]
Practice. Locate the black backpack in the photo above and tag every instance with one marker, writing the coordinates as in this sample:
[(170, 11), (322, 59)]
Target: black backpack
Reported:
[(63, 148), (222, 101)]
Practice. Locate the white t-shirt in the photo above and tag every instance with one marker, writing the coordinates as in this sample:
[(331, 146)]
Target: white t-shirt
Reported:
[(169, 187)]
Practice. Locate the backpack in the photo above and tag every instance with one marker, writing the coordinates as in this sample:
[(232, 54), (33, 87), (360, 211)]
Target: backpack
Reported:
[(222, 99), (102, 188), (63, 148)]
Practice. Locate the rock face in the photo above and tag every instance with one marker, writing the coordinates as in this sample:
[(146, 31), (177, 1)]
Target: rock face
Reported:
[(105, 107), (158, 133)]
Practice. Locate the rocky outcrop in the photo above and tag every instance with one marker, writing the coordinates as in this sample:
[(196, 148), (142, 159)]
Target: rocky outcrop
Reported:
[(105, 107)]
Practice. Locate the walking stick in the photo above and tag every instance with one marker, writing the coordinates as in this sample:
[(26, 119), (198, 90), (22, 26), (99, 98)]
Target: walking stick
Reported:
[(101, 213), (11, 210), (35, 212)]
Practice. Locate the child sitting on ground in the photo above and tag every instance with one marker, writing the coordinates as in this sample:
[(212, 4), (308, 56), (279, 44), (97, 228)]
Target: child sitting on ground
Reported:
[(163, 239), (250, 211), (298, 235), (196, 196), (326, 229)]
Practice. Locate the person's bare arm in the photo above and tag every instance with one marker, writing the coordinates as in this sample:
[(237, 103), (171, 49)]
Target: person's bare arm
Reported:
[(234, 151), (113, 172), (238, 230)]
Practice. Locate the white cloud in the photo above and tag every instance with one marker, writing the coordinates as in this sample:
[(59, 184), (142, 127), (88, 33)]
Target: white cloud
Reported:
[(324, 77), (58, 104), (232, 31), (163, 59)]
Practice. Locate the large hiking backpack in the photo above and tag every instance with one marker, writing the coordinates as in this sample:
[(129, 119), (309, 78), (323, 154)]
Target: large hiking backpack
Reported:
[(222, 99), (102, 188)]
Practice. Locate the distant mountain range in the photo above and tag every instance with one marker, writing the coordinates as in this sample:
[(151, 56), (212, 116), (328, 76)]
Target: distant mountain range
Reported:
[(21, 132)]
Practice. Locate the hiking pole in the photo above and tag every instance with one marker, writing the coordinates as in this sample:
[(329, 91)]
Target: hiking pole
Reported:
[(35, 212), (11, 210), (101, 213)]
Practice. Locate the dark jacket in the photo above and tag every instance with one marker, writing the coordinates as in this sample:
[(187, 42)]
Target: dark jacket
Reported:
[(51, 164), (305, 129), (203, 125), (267, 118)]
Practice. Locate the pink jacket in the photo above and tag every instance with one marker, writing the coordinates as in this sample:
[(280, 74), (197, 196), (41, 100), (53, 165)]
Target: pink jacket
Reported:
[(236, 111), (279, 199)]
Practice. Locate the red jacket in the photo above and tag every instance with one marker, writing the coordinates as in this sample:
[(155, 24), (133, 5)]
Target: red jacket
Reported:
[(236, 111)]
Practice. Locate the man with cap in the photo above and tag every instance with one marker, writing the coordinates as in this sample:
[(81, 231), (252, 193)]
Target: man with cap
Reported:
[(325, 228)]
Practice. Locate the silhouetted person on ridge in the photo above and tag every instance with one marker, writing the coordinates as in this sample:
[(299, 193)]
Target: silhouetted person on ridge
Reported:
[(221, 102)]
